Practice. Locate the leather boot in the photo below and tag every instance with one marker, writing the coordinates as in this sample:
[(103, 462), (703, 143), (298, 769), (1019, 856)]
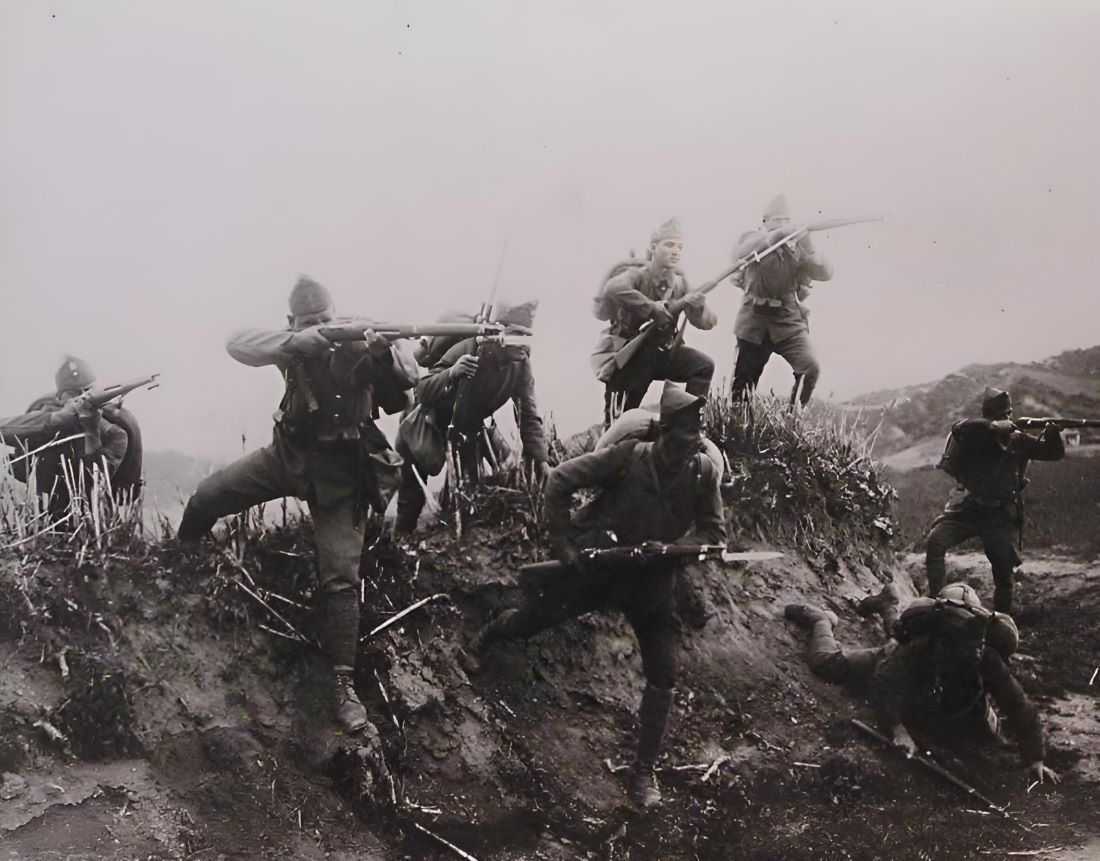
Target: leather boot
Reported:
[(341, 642), (653, 718), (349, 710)]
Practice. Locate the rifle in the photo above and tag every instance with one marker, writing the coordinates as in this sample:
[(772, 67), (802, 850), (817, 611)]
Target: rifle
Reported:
[(645, 332), (356, 329), (101, 397), (652, 551), (1029, 423), (485, 317), (941, 772)]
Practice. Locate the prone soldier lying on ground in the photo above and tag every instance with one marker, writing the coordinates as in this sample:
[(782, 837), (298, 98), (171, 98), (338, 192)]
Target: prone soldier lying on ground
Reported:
[(108, 435), (650, 491), (327, 450), (947, 662), (468, 381)]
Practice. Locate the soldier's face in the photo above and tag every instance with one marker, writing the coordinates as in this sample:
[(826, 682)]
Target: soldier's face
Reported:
[(666, 253), (298, 322), (680, 441)]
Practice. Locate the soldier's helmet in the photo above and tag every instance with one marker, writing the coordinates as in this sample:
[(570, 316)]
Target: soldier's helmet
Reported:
[(995, 403), (1001, 632), (74, 375), (309, 297)]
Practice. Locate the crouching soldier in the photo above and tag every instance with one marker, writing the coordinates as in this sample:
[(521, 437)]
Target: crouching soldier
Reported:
[(948, 662), (467, 383), (651, 293), (109, 436), (327, 450), (650, 491)]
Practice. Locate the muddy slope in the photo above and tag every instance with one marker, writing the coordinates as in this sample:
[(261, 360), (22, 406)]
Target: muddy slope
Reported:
[(156, 703)]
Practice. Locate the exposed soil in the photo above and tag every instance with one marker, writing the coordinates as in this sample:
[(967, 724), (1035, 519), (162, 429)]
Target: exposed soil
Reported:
[(174, 726)]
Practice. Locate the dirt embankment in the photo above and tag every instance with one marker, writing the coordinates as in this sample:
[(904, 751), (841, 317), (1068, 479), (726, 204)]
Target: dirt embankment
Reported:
[(158, 704)]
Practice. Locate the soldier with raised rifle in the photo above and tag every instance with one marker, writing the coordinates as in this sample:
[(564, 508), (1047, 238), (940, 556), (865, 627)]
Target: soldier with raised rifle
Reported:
[(946, 663), (650, 492), (773, 318), (469, 379), (326, 449), (106, 434), (988, 458), (649, 296)]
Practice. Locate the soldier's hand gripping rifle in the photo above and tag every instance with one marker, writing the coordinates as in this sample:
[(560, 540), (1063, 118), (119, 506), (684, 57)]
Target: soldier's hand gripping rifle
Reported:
[(649, 330), (99, 397)]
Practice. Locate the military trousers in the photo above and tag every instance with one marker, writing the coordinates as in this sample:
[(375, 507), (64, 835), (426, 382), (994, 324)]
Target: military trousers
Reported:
[(996, 526), (645, 594), (325, 480), (681, 364), (850, 667), (796, 349)]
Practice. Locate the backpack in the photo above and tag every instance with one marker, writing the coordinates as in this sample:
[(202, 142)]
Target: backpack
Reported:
[(935, 616), (602, 307), (953, 461), (641, 424)]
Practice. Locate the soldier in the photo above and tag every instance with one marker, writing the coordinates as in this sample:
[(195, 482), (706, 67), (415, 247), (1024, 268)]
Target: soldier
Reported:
[(655, 292), (327, 450), (772, 318), (988, 458), (467, 384), (651, 491), (111, 438), (947, 661)]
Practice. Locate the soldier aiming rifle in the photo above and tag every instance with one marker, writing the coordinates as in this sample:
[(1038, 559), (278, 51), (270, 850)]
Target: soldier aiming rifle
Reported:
[(80, 424)]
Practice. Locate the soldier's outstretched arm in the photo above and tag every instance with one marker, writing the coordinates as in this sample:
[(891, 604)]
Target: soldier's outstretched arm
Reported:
[(531, 430), (710, 521), (1022, 716), (593, 469), (260, 347)]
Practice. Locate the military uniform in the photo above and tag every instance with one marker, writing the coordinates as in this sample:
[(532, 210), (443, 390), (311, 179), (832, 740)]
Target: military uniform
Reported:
[(987, 502), (326, 449), (630, 298), (772, 318), (503, 374), (640, 501), (926, 675), (105, 440)]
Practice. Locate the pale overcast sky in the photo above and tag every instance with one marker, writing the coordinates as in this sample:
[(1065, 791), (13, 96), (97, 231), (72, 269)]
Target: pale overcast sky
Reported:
[(168, 168)]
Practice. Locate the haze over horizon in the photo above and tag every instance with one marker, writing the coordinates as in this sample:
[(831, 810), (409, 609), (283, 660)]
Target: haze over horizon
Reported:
[(169, 169)]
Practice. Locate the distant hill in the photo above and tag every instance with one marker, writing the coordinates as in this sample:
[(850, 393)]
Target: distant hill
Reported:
[(915, 419)]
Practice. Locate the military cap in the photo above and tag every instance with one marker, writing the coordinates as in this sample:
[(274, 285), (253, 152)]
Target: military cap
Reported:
[(664, 231), (995, 403), (73, 375), (309, 297), (519, 315), (777, 208), (677, 405)]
